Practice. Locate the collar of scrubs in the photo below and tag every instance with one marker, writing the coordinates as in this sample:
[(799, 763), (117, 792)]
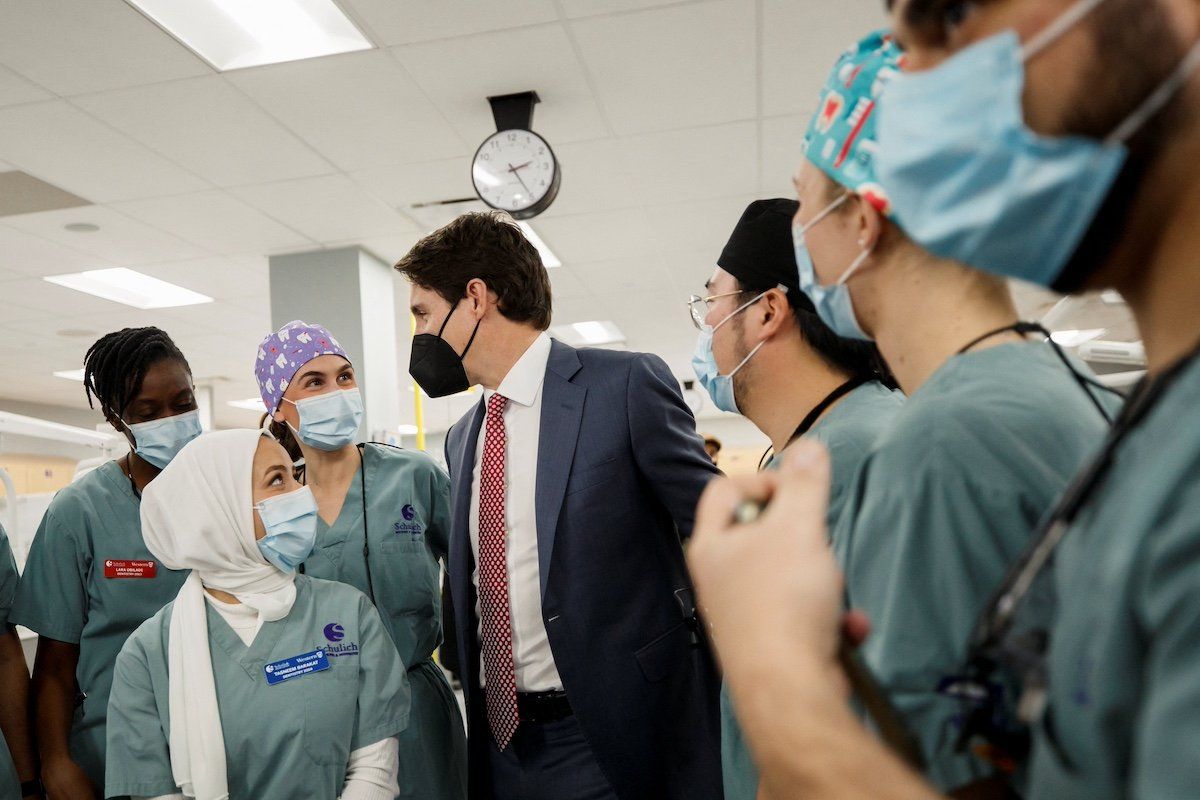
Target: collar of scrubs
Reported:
[(117, 479), (259, 653), (523, 382)]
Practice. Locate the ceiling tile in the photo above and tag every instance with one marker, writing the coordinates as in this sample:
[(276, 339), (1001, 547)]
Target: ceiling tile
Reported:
[(33, 256), (120, 242), (358, 110), (798, 55), (404, 21), (64, 146), (217, 222), (782, 153), (714, 161), (327, 209), (36, 295), (220, 278), (564, 283), (402, 185), (696, 226), (592, 8), (673, 67), (209, 127), (71, 47), (458, 75), (388, 249), (624, 275), (15, 90), (602, 236)]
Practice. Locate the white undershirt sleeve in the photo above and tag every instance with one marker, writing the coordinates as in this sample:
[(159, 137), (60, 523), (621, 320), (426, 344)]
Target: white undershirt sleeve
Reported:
[(373, 772)]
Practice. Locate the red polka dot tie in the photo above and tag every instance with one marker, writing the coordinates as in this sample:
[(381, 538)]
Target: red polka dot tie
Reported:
[(496, 619)]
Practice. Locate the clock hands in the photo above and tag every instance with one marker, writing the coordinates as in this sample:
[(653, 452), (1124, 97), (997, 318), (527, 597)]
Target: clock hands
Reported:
[(513, 170)]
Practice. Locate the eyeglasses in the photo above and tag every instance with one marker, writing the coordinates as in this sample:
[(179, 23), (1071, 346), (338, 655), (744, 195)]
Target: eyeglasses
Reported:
[(698, 306)]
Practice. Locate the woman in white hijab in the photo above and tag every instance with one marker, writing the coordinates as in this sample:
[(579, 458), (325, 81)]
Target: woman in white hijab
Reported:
[(255, 682)]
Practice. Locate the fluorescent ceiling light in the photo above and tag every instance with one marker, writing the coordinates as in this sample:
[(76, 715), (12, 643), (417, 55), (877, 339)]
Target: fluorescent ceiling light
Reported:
[(548, 258), (70, 374), (231, 34), (407, 430), (132, 288), (250, 404), (591, 333), (1073, 338)]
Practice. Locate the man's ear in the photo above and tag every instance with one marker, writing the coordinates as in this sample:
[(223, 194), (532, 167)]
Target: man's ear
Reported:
[(773, 313), (479, 296), (871, 224)]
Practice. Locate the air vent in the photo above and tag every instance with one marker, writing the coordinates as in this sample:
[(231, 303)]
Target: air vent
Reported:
[(21, 193)]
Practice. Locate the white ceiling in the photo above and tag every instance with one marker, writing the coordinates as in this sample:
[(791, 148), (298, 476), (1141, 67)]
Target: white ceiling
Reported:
[(667, 117)]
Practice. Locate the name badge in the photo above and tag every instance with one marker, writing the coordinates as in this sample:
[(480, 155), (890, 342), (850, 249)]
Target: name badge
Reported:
[(114, 568), (294, 667)]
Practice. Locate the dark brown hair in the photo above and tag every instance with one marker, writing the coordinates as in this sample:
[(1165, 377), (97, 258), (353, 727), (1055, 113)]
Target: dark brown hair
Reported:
[(487, 246)]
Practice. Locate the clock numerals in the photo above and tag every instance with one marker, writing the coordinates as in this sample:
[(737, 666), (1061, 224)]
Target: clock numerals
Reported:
[(514, 170)]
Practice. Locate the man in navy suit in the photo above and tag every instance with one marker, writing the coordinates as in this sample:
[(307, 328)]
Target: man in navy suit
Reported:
[(573, 482)]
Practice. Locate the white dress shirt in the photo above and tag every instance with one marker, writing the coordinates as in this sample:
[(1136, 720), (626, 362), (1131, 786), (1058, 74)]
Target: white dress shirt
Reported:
[(522, 386)]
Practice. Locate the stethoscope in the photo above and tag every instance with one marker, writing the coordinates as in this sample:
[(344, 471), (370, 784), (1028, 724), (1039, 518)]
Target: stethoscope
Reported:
[(366, 549), (993, 650)]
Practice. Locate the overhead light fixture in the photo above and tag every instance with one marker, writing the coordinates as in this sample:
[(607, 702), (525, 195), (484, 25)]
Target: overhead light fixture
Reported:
[(406, 430), (249, 404), (70, 374), (1074, 338), (132, 288), (592, 334), (548, 258), (232, 34)]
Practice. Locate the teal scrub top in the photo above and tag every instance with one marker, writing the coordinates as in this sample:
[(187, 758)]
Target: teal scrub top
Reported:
[(943, 507), (10, 784), (1122, 718), (849, 431), (76, 589), (288, 740), (408, 520)]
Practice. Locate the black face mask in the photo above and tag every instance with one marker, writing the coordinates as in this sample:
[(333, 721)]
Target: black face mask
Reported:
[(434, 365)]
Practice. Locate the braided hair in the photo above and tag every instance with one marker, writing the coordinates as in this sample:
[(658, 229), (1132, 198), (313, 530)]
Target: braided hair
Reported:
[(116, 364)]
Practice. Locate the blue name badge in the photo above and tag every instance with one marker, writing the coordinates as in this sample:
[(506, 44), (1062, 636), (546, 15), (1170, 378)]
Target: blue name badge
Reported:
[(294, 667)]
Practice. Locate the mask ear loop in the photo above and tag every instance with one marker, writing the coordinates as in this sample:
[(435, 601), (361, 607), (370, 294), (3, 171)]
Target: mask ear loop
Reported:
[(446, 321), (1157, 100), (1058, 28)]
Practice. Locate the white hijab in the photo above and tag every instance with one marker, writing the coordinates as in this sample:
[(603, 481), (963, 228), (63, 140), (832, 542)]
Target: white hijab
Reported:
[(197, 514)]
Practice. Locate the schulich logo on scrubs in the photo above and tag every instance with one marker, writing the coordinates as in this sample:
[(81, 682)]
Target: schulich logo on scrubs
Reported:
[(334, 634)]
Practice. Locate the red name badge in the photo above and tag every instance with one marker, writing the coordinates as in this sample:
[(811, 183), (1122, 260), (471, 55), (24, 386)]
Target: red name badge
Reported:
[(129, 569)]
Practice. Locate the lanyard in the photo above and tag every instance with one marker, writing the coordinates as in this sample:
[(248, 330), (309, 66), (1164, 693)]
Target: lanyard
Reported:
[(1085, 383), (991, 647), (820, 408)]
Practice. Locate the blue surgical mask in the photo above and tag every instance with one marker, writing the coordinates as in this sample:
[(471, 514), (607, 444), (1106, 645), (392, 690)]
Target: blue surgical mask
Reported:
[(704, 364), (290, 521), (833, 303), (330, 421), (160, 440), (971, 182)]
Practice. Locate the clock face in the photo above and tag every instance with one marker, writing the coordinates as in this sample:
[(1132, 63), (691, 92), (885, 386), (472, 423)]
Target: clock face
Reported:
[(515, 171)]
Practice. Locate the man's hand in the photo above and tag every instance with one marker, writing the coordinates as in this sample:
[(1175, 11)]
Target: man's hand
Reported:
[(775, 577)]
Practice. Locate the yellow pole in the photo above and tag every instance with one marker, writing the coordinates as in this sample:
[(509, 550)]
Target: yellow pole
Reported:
[(417, 405)]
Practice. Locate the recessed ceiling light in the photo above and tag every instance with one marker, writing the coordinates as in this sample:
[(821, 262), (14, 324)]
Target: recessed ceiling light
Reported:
[(81, 227), (548, 258), (592, 333), (70, 374), (250, 404), (232, 34), (1074, 338), (132, 288)]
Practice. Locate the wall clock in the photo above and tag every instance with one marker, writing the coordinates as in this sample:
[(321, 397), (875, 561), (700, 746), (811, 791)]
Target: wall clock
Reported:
[(515, 170)]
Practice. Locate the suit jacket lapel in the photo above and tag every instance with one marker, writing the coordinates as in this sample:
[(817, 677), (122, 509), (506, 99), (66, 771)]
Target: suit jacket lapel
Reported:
[(562, 412), (462, 467)]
